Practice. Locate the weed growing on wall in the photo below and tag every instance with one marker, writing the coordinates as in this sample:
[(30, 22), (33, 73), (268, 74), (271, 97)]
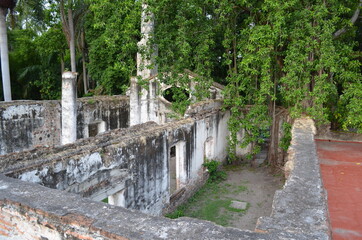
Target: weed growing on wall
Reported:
[(215, 174)]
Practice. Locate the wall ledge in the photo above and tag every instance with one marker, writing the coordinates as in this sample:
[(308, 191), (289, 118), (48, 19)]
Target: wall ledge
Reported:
[(301, 206)]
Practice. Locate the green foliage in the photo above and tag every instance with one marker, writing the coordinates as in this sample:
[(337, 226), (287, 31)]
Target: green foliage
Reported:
[(268, 53), (185, 39), (351, 107), (179, 98), (176, 214), (287, 56), (287, 136), (215, 174), (52, 47), (112, 35), (24, 61)]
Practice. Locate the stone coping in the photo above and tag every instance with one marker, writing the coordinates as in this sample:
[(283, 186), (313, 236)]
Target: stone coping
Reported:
[(83, 100), (301, 206), (61, 212)]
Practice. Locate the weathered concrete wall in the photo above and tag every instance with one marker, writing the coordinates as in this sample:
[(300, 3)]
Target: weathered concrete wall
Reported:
[(135, 161), (43, 213), (112, 111), (27, 124), (301, 206), (299, 209)]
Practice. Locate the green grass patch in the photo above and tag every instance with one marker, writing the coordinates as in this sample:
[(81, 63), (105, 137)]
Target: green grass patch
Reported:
[(241, 188), (210, 203), (218, 211), (176, 214)]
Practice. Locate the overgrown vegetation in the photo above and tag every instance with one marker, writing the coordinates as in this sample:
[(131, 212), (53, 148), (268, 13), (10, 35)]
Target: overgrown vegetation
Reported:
[(303, 55), (268, 53), (215, 174), (217, 208), (287, 137)]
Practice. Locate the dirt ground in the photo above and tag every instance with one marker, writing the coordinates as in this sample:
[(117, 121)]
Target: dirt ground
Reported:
[(255, 186), (261, 185)]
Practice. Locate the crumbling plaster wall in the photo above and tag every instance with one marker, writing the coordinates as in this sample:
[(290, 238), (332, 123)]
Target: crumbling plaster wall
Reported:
[(299, 209), (133, 160), (27, 124), (44, 213)]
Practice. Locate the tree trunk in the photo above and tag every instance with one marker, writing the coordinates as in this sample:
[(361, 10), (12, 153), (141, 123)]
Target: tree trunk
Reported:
[(85, 78), (5, 69), (72, 41), (62, 64)]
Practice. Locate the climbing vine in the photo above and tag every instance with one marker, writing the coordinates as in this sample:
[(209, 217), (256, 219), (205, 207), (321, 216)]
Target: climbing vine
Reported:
[(268, 53)]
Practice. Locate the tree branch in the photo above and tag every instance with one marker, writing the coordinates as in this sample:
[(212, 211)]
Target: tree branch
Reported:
[(65, 24), (353, 20)]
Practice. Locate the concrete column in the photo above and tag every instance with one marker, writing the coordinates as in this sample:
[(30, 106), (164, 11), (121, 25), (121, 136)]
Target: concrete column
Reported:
[(143, 101), (147, 29), (135, 104), (5, 69), (69, 107)]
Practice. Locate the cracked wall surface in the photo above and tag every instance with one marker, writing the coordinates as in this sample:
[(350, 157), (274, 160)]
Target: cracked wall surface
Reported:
[(27, 124), (134, 161), (299, 209)]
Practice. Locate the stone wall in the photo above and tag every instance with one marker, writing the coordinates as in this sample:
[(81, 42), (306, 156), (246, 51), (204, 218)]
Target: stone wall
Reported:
[(44, 213), (132, 164), (301, 206), (299, 209), (27, 124)]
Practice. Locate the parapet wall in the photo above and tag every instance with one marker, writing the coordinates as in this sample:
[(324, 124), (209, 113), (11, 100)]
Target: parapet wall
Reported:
[(27, 124), (301, 206)]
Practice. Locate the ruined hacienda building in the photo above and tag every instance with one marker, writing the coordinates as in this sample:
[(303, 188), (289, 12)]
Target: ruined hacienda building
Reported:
[(59, 160)]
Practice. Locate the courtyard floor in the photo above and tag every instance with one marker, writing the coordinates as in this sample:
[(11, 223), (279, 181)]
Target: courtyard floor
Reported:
[(341, 167), (254, 186)]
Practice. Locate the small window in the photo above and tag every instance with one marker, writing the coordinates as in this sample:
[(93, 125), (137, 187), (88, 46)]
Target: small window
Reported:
[(95, 128)]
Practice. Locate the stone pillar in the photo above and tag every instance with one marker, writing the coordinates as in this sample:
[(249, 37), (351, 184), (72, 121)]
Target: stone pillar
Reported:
[(135, 104), (144, 102), (69, 108), (146, 66), (5, 69)]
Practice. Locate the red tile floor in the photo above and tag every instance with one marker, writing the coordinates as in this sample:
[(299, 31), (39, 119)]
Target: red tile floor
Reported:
[(341, 167)]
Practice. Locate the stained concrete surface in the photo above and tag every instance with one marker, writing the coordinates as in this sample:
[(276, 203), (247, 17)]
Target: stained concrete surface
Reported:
[(341, 166)]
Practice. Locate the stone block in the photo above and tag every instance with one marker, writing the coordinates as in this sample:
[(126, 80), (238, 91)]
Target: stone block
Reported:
[(239, 205)]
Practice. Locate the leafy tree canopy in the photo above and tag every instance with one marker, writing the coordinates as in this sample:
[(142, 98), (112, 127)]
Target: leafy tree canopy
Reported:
[(112, 33), (271, 53), (268, 53)]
